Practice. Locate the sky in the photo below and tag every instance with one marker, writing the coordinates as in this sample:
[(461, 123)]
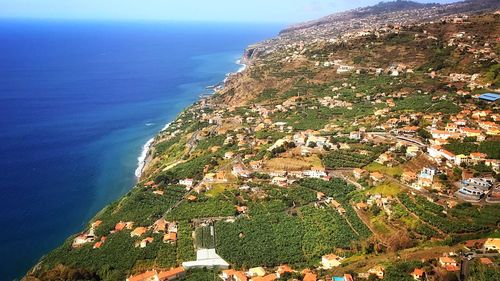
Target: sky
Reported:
[(280, 11)]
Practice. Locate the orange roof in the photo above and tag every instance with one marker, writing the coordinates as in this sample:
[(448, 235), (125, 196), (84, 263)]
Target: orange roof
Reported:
[(270, 277), (240, 275), (452, 268), (478, 155), (284, 268), (138, 231), (97, 245), (120, 226), (96, 223), (418, 272), (166, 275), (446, 260), (486, 261), (191, 198), (172, 236), (143, 276), (361, 205), (310, 277), (348, 277), (229, 272)]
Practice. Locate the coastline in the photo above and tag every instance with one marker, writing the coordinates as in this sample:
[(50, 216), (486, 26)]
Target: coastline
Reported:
[(143, 158)]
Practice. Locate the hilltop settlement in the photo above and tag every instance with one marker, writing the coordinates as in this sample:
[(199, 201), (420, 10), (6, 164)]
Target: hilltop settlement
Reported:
[(347, 150)]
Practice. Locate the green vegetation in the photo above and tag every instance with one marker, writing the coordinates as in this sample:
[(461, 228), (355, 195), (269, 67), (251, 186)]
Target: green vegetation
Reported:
[(491, 148)]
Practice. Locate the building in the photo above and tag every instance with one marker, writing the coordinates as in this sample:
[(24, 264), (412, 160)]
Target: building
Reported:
[(233, 275), (492, 244), (330, 261), (256, 271), (489, 97), (448, 263), (153, 275), (377, 271), (206, 258), (418, 274)]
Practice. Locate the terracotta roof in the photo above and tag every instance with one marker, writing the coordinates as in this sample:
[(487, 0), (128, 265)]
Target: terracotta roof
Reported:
[(486, 261), (418, 272), (310, 277), (270, 277), (138, 231), (166, 275), (452, 268), (120, 226), (284, 268), (447, 260), (143, 276), (172, 236), (240, 275)]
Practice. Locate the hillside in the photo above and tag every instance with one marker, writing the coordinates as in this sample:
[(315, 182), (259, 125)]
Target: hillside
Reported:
[(336, 156)]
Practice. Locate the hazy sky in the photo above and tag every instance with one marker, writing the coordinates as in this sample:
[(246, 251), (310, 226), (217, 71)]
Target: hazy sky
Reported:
[(284, 11)]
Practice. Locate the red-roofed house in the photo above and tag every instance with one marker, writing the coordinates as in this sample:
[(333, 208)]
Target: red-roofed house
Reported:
[(418, 274)]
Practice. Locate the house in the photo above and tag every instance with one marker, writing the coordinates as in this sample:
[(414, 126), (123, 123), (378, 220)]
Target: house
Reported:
[(172, 274), (377, 271), (280, 181), (309, 276), (146, 276), (486, 261), (241, 209), (315, 173), (188, 183), (359, 173), (283, 269), (330, 261), (411, 151), (256, 271), (492, 244), (418, 274), (158, 192), (469, 192), (408, 177), (448, 263), (138, 231), (355, 135), (144, 242), (120, 226), (192, 198), (376, 177), (160, 225), (320, 195), (361, 206), (270, 277), (170, 237), (98, 245), (233, 275), (474, 244), (228, 155), (84, 238)]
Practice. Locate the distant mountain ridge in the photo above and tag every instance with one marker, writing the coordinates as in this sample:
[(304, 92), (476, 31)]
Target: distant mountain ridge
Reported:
[(381, 7), (399, 12)]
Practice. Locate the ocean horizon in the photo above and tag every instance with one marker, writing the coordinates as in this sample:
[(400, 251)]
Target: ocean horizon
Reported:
[(79, 101)]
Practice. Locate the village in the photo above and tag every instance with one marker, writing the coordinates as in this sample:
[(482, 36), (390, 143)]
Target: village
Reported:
[(339, 168)]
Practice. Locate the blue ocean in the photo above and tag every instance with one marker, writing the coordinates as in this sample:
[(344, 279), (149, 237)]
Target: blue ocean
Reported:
[(78, 101)]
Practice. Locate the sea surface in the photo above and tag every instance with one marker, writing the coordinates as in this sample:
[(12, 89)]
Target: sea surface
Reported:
[(78, 101)]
